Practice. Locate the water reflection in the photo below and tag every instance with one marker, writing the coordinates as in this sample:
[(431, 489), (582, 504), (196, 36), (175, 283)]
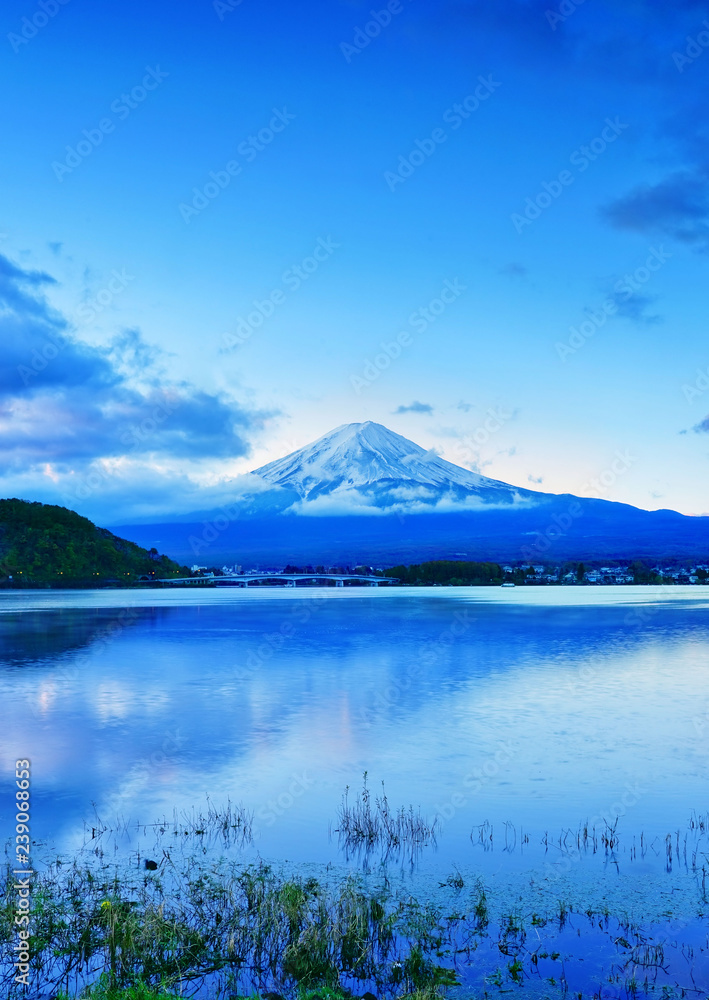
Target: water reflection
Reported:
[(474, 711)]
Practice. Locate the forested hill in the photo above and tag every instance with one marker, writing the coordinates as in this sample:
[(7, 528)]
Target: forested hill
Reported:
[(43, 545)]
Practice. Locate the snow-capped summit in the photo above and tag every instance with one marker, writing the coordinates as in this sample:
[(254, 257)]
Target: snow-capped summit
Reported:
[(382, 468), (346, 499)]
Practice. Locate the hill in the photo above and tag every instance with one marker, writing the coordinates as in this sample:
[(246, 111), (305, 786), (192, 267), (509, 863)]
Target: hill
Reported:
[(46, 546)]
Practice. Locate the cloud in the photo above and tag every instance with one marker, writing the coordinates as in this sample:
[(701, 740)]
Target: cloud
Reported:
[(18, 289), (514, 270), (417, 457), (702, 427), (633, 306), (415, 407), (535, 479), (130, 354), (342, 505), (407, 501), (522, 22), (677, 206), (68, 409)]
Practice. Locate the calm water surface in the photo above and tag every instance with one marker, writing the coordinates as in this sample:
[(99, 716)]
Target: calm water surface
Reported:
[(537, 707)]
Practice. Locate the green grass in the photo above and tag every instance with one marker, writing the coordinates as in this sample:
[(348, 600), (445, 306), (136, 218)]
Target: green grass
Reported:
[(104, 991), (241, 929), (218, 929)]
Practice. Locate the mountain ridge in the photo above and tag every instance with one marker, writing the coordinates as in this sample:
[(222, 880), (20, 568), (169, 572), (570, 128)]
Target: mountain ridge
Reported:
[(379, 468), (311, 506)]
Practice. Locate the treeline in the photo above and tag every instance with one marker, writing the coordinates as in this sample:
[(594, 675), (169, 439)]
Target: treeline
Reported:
[(450, 572), (46, 546)]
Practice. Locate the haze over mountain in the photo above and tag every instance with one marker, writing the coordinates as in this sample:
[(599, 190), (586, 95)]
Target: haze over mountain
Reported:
[(362, 493)]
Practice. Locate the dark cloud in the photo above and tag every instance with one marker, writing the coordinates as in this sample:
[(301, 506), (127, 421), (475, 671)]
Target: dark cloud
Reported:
[(634, 306), (621, 40), (67, 403), (702, 427), (677, 206), (36, 350), (525, 23), (415, 407), (19, 290)]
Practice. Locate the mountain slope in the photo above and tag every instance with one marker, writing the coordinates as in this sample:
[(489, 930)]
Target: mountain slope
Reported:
[(381, 469), (309, 507), (44, 545)]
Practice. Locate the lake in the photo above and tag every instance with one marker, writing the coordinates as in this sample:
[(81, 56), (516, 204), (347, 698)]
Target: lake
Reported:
[(511, 717)]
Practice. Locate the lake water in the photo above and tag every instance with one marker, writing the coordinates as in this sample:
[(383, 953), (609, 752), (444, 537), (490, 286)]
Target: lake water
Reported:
[(531, 710)]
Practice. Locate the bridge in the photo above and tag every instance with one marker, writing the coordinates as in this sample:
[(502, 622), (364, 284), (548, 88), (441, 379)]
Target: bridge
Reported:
[(286, 579)]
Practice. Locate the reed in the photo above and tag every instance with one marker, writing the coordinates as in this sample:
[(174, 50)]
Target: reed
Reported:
[(367, 822)]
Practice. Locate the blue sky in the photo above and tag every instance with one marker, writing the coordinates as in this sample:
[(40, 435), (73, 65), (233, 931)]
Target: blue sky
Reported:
[(216, 215)]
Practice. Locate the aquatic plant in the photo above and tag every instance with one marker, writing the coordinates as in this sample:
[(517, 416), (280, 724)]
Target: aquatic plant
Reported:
[(221, 927), (367, 823), (225, 826)]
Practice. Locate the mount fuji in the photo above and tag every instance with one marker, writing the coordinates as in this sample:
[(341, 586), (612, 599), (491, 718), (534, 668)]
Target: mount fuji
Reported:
[(363, 494), (366, 466)]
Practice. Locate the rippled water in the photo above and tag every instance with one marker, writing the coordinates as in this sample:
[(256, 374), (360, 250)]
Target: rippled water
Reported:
[(541, 708)]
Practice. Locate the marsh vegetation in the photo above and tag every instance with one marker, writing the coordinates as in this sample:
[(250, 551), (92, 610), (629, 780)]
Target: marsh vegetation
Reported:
[(369, 824)]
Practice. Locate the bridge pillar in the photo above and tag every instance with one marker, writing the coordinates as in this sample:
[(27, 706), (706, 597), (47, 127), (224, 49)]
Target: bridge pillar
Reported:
[(339, 583)]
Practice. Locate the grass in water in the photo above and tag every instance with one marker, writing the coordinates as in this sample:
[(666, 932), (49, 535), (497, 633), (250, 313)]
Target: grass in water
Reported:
[(367, 823), (145, 935)]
